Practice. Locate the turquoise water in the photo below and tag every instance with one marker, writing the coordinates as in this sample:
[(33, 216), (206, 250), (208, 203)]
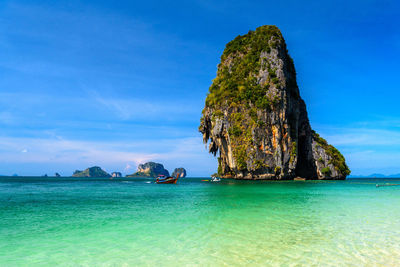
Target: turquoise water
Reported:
[(133, 222)]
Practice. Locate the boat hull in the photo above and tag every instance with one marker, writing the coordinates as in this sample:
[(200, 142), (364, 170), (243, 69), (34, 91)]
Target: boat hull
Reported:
[(167, 181)]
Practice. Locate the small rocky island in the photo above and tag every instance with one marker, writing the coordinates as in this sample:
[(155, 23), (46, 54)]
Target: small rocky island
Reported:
[(179, 173), (153, 169), (116, 174), (257, 121), (91, 172), (150, 169)]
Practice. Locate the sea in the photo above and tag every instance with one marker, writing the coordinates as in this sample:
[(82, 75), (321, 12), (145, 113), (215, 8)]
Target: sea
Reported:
[(135, 222)]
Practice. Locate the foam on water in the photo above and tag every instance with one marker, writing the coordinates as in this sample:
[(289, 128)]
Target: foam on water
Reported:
[(103, 222)]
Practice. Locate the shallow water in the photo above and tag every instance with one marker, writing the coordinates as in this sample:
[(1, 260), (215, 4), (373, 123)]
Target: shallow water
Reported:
[(130, 222)]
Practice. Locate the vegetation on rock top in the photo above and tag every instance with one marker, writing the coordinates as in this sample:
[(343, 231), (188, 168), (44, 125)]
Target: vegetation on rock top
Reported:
[(236, 80)]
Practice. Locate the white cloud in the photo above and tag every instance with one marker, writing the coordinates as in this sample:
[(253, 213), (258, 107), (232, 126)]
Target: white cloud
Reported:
[(61, 150), (128, 167)]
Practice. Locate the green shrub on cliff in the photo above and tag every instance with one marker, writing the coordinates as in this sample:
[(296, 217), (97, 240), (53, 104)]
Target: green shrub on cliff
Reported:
[(241, 156), (253, 114), (293, 151), (217, 114), (275, 80), (326, 171), (235, 131), (271, 72), (263, 103)]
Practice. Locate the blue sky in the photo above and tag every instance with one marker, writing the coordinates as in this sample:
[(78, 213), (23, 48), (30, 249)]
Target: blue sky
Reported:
[(117, 83)]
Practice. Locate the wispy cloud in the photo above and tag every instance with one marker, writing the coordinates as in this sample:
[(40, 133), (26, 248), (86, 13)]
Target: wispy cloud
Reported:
[(141, 108), (25, 109), (41, 150)]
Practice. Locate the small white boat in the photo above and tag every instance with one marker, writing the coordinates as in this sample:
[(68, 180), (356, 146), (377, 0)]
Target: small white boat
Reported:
[(215, 179)]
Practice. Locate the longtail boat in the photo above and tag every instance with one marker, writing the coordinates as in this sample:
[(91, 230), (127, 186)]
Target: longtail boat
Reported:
[(161, 179)]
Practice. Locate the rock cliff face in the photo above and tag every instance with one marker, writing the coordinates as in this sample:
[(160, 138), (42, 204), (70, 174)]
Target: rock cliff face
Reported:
[(91, 172), (179, 172), (255, 118), (150, 169)]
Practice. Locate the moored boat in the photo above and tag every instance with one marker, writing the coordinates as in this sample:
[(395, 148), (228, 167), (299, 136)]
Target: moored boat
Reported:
[(162, 179)]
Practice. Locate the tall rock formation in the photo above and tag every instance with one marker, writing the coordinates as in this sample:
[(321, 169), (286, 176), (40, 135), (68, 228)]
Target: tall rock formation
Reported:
[(255, 118)]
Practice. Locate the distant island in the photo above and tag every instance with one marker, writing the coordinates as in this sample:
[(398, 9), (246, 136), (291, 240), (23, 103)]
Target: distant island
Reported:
[(153, 169), (91, 172), (256, 120), (116, 174), (179, 172), (149, 169)]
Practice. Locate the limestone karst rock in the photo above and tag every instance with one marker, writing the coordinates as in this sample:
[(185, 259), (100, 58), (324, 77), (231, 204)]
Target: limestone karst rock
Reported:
[(91, 172), (116, 174), (150, 169), (256, 120), (179, 172)]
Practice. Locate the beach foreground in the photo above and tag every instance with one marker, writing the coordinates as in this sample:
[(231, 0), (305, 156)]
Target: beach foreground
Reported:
[(131, 222)]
